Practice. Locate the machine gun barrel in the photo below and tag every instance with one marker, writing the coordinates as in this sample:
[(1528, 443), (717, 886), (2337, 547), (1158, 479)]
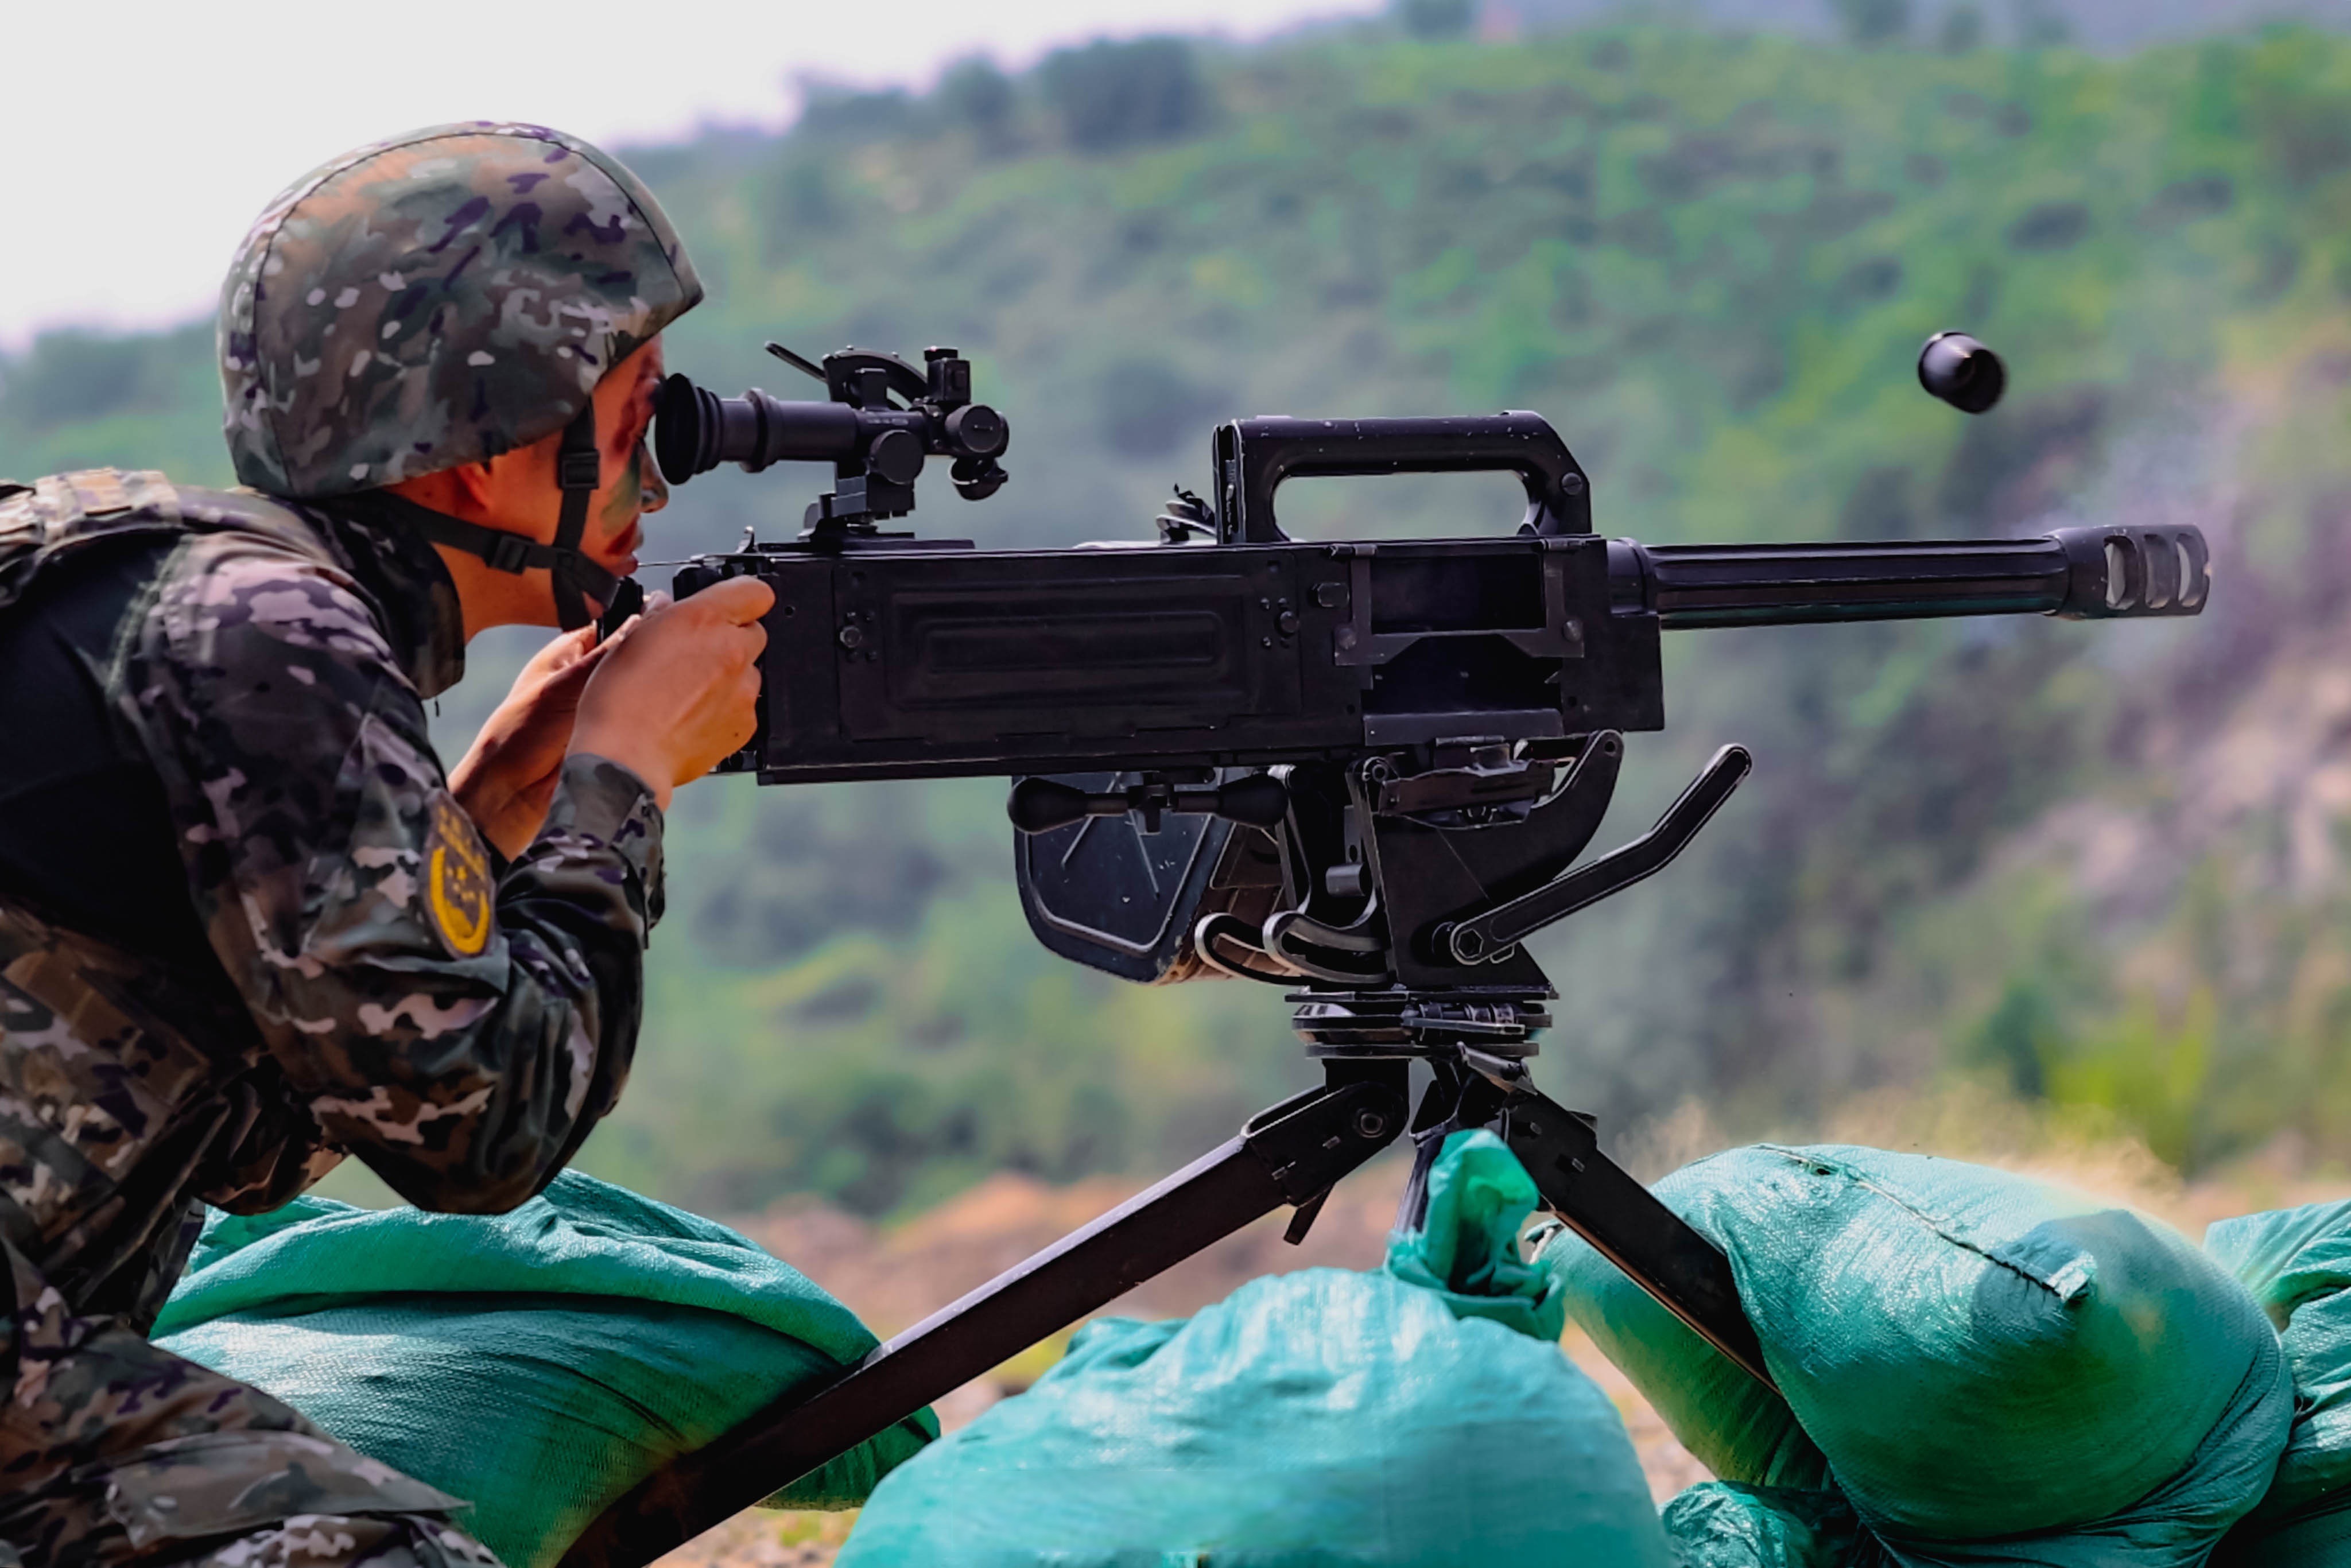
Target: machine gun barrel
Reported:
[(2078, 573)]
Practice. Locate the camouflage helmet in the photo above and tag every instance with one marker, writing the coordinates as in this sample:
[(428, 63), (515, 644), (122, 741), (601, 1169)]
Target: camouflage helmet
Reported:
[(437, 299)]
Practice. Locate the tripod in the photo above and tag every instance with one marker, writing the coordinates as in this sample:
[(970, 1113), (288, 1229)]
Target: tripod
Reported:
[(1370, 1013)]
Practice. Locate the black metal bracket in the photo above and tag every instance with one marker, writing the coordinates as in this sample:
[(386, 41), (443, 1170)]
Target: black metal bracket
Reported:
[(1494, 933)]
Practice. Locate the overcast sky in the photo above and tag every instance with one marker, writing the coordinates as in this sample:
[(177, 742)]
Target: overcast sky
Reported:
[(137, 139)]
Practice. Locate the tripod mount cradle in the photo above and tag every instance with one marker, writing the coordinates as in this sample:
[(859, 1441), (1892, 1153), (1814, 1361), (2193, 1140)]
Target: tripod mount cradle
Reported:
[(1363, 772), (1398, 903)]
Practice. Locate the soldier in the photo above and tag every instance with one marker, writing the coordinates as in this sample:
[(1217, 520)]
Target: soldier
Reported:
[(247, 923)]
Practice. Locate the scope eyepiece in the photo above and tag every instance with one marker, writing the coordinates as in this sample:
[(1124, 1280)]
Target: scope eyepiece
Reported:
[(695, 430), (1961, 372), (688, 430)]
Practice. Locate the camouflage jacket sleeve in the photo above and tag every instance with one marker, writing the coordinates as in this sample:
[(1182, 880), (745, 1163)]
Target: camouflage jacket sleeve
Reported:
[(458, 1025)]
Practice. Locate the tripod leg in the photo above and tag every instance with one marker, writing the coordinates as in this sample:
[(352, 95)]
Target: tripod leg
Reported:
[(1290, 1155), (1625, 1222)]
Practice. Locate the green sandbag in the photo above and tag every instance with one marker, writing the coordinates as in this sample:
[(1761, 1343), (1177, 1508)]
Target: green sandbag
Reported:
[(2297, 1263), (1420, 1415), (1965, 1353), (2315, 1536), (539, 1362), (1721, 1525)]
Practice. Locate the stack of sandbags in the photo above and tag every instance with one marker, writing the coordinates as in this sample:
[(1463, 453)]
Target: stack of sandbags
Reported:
[(538, 1363), (1982, 1368), (2297, 1263), (1422, 1416)]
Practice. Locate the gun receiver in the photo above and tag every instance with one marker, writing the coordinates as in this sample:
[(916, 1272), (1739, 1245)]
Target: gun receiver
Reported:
[(927, 660)]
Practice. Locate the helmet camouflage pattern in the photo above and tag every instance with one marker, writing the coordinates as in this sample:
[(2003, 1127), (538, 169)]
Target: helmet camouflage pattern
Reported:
[(437, 299)]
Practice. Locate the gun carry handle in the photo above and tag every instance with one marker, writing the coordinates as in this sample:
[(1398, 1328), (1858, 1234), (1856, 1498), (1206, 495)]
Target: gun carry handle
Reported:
[(1253, 456)]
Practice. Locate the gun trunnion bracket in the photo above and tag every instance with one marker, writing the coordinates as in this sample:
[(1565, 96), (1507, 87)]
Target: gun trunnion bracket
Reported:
[(1364, 772)]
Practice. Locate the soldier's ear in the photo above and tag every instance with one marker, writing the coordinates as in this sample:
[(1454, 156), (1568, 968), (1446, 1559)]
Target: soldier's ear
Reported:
[(474, 482)]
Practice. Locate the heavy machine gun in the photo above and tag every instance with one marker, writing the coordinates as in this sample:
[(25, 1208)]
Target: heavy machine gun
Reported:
[(1362, 771)]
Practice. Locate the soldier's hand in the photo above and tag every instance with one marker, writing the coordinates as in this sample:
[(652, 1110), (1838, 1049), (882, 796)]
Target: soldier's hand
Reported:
[(508, 778), (678, 691)]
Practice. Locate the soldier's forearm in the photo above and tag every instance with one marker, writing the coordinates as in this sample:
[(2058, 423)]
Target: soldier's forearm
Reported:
[(499, 793), (508, 776)]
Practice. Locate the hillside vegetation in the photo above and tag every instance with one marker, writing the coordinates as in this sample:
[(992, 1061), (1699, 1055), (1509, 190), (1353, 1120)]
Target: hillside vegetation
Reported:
[(2095, 865)]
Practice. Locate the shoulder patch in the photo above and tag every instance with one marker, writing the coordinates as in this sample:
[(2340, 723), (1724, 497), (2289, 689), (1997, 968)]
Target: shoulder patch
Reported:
[(458, 887)]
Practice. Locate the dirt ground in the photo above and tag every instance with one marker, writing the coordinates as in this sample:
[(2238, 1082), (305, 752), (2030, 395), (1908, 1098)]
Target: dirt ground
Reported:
[(896, 1277)]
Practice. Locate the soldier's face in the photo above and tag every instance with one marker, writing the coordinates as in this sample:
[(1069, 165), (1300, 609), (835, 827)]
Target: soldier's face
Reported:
[(633, 484), (518, 493)]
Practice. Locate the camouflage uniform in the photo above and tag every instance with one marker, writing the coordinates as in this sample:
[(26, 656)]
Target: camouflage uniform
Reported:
[(377, 981)]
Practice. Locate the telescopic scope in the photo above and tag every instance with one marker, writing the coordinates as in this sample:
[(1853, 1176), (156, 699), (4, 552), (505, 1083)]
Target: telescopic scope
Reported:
[(858, 428)]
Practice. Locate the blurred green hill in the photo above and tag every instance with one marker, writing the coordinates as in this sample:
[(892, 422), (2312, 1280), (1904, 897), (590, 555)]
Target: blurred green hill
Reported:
[(2096, 865), (2105, 25)]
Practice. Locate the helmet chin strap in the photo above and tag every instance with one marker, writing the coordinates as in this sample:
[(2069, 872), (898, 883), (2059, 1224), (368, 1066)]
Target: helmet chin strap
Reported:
[(577, 467), (574, 578)]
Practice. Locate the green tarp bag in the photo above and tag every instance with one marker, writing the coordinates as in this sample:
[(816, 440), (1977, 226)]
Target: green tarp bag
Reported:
[(1989, 1369), (1422, 1416), (2297, 1263), (538, 1363), (1721, 1525)]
